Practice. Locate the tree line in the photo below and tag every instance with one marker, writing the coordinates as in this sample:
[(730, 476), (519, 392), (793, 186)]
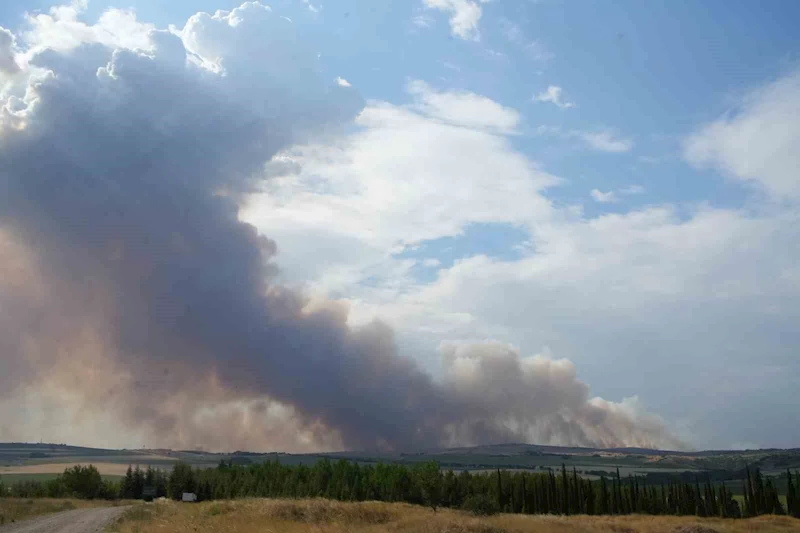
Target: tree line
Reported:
[(552, 492)]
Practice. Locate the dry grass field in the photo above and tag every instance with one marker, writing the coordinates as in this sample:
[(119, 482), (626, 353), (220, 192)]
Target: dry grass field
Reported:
[(323, 516)]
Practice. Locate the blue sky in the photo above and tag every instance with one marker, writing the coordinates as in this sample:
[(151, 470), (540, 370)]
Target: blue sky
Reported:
[(646, 72), (610, 183)]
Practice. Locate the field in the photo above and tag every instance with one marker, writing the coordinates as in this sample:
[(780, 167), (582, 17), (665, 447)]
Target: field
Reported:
[(324, 516)]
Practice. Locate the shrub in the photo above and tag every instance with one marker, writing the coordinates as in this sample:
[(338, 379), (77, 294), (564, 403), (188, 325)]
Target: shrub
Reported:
[(480, 505)]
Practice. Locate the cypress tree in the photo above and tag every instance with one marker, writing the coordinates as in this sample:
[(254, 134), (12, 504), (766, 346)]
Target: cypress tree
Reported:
[(762, 499), (773, 502), (564, 490), (590, 498), (747, 504), (499, 490), (126, 488), (750, 491), (791, 497), (576, 493), (602, 508)]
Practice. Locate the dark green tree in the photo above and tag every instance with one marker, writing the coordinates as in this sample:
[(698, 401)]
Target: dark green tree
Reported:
[(429, 479), (181, 480), (792, 505), (83, 482)]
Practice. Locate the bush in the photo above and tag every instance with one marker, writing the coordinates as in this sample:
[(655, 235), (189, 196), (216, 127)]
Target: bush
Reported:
[(83, 482), (480, 505)]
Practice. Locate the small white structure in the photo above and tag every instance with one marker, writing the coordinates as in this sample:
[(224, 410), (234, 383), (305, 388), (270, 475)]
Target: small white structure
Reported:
[(189, 497)]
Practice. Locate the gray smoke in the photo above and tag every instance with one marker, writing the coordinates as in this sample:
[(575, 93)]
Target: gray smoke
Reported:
[(130, 284)]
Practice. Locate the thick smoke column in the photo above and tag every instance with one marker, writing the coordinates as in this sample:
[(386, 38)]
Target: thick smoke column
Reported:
[(127, 278)]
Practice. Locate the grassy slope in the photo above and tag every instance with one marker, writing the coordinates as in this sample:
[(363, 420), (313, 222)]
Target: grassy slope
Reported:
[(323, 516)]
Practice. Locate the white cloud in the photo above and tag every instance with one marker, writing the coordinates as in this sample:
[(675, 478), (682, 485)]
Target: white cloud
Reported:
[(392, 185), (464, 108), (553, 95), (341, 82), (605, 141), (60, 29), (757, 142), (464, 16), (604, 197)]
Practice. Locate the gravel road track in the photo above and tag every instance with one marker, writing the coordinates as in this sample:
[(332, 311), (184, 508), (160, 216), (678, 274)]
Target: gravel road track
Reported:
[(77, 521)]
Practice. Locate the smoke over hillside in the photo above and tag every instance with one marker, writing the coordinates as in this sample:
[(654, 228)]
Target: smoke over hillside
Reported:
[(130, 288)]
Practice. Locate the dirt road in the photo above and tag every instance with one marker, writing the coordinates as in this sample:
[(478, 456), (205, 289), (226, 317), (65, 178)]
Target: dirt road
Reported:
[(77, 521)]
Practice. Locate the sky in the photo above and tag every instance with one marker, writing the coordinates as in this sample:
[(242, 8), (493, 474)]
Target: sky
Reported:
[(610, 186)]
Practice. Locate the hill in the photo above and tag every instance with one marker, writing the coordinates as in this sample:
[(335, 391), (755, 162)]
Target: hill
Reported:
[(19, 458)]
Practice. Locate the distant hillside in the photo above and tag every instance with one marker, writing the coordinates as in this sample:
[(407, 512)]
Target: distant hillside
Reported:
[(587, 461)]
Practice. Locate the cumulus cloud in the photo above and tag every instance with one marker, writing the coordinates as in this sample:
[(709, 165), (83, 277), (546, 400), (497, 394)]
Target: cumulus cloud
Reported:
[(464, 108), (756, 142), (464, 15), (341, 82), (605, 141), (553, 95), (134, 294)]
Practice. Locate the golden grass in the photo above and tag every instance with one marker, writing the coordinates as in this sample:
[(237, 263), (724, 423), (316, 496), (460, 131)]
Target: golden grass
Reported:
[(15, 509), (324, 516)]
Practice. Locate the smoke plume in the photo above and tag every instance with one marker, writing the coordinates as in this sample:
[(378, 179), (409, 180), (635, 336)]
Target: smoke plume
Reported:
[(132, 294)]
